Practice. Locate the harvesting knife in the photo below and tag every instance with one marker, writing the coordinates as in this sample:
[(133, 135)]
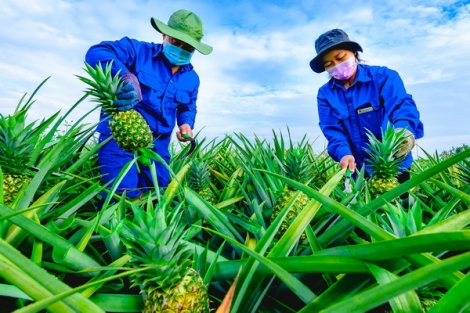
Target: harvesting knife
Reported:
[(347, 184), (193, 144)]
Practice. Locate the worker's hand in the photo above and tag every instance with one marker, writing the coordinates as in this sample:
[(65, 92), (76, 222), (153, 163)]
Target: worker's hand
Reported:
[(348, 161), (130, 94), (185, 133), (407, 145)]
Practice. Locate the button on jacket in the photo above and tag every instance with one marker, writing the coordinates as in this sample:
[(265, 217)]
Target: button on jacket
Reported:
[(376, 97), (166, 98)]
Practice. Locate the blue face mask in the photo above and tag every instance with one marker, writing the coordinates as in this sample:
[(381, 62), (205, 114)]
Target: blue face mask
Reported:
[(176, 55)]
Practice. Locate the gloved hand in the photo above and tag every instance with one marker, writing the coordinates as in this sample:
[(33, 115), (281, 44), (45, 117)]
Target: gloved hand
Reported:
[(130, 94), (407, 145)]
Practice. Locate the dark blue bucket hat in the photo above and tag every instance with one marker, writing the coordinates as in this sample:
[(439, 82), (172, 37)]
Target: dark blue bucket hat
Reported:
[(327, 41)]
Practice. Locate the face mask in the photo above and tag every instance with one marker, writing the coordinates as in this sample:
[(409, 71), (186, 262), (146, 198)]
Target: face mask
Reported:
[(176, 55), (344, 70)]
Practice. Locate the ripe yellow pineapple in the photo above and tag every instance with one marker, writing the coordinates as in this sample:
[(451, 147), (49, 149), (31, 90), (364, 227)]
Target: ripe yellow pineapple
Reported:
[(298, 167), (382, 160), (129, 128), (156, 239)]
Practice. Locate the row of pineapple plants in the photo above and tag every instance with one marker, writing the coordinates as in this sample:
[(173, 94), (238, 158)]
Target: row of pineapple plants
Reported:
[(265, 219)]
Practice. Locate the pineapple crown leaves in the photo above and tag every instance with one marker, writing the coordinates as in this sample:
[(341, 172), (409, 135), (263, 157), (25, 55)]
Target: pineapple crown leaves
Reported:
[(382, 159), (103, 86), (297, 164), (294, 158), (199, 175), (18, 140), (155, 239)]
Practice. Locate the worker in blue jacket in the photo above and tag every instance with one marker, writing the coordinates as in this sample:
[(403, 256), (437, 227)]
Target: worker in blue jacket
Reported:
[(359, 97), (161, 84)]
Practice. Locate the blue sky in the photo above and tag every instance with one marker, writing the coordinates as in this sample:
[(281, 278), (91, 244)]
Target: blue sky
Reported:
[(257, 79)]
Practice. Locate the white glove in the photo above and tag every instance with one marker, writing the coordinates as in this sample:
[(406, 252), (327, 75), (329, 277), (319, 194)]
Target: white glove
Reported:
[(407, 145)]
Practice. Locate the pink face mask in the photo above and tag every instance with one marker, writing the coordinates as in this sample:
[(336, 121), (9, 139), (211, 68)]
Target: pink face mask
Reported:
[(344, 70)]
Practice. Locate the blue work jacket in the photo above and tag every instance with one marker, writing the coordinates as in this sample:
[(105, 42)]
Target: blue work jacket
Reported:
[(376, 97), (166, 98)]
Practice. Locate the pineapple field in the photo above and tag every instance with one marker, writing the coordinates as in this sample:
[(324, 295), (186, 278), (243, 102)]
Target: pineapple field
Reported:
[(247, 224)]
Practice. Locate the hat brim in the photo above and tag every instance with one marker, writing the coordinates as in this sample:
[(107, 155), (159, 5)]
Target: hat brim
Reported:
[(167, 30), (316, 64)]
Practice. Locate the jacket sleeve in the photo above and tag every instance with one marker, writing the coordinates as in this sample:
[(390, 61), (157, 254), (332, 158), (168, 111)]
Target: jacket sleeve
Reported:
[(186, 110), (400, 107), (333, 129), (122, 52)]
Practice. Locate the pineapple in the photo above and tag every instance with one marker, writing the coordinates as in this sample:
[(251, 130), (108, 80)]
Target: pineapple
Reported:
[(156, 240), (382, 160), (298, 167), (17, 144), (129, 128), (199, 180)]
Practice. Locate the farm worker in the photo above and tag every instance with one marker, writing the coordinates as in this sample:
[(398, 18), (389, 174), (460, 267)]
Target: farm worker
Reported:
[(161, 84), (359, 97)]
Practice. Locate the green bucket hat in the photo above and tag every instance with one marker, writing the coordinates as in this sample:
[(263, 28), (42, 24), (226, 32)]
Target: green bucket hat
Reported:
[(185, 26)]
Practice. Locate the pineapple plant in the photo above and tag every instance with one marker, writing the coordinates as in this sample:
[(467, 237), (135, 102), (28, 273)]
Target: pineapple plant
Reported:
[(156, 240), (382, 159), (297, 166), (17, 144), (199, 180), (129, 128)]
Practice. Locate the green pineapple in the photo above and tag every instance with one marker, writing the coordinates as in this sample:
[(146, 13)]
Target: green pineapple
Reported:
[(129, 128), (17, 144), (156, 240), (199, 180), (382, 159), (298, 167)]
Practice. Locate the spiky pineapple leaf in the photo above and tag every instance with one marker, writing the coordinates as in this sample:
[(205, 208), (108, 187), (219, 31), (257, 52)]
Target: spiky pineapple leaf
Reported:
[(103, 86), (382, 151)]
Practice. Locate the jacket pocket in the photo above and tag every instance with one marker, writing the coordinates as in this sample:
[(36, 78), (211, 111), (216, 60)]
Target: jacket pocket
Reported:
[(182, 96), (152, 89), (180, 100), (340, 114), (370, 117)]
